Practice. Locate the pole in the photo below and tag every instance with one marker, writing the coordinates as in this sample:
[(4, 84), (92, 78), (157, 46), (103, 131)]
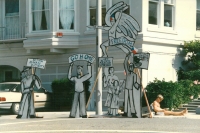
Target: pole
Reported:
[(138, 72), (99, 54), (92, 89)]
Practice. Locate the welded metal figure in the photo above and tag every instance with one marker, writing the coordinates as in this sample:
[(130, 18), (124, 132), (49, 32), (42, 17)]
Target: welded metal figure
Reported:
[(109, 77), (132, 84), (78, 105), (29, 80), (122, 29), (117, 88)]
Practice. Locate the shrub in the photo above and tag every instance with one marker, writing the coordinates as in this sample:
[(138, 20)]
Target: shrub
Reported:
[(191, 75)]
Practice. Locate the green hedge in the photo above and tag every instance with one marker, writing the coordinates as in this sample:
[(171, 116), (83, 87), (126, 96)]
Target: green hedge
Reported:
[(174, 93), (191, 75), (63, 92)]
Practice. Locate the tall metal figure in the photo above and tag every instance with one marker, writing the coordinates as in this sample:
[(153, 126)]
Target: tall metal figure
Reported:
[(78, 104), (29, 80), (122, 29), (131, 83)]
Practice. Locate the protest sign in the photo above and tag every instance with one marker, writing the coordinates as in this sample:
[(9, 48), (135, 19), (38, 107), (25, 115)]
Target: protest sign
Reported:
[(105, 62), (81, 57), (38, 63)]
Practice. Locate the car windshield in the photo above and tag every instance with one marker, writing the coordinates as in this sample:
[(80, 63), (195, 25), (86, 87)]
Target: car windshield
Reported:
[(7, 87)]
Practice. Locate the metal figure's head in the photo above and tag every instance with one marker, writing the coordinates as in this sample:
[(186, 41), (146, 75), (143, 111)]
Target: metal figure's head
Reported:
[(27, 71), (80, 70), (111, 70), (112, 19), (116, 83)]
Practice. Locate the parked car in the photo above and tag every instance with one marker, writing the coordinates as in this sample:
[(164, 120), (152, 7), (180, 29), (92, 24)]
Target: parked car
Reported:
[(10, 96)]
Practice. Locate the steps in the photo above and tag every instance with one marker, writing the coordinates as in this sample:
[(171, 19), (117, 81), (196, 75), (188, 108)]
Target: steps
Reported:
[(191, 106)]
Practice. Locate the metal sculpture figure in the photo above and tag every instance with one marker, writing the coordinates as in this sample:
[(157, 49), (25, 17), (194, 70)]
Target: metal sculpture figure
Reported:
[(131, 84), (117, 88), (29, 80), (108, 82), (122, 29), (78, 104)]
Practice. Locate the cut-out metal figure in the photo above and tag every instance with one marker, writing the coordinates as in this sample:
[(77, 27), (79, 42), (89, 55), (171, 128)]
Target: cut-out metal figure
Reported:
[(131, 83), (108, 82), (78, 104), (29, 80), (117, 88), (122, 29)]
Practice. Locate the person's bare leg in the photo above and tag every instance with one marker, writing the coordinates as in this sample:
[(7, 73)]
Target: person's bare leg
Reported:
[(174, 113), (104, 46)]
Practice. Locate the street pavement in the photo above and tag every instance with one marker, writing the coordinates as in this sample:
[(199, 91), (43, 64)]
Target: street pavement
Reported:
[(59, 122), (92, 114)]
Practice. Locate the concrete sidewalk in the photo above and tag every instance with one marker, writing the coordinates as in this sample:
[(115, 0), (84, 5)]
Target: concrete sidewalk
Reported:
[(47, 115)]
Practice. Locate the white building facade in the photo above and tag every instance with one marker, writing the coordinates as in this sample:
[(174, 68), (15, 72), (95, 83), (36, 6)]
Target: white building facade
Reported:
[(29, 29)]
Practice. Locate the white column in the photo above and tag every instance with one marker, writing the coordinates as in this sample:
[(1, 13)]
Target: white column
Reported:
[(99, 54)]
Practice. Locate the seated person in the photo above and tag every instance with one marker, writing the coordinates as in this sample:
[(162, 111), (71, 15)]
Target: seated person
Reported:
[(160, 111)]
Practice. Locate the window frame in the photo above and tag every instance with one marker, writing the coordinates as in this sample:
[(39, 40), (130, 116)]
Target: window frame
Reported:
[(3, 23), (88, 14), (108, 5), (160, 14), (75, 19), (3, 13), (31, 17)]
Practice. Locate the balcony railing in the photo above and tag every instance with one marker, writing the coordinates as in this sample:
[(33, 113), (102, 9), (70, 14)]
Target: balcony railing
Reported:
[(12, 32)]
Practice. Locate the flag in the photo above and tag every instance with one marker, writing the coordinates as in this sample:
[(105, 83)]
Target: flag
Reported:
[(134, 50)]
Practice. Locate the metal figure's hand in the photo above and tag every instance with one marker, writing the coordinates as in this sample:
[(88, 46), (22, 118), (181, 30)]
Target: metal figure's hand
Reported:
[(89, 64)]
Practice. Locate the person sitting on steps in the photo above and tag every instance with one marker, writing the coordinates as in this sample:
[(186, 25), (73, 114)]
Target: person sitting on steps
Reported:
[(159, 111)]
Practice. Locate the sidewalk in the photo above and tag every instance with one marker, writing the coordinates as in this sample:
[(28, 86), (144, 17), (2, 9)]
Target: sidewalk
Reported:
[(47, 115)]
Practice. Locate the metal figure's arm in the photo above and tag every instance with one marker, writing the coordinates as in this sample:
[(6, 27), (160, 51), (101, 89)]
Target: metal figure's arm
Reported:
[(99, 27), (89, 75), (70, 73), (103, 27), (37, 82), (22, 87), (136, 84), (125, 64), (105, 82)]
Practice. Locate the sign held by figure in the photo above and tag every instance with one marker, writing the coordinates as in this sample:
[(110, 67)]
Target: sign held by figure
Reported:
[(38, 63)]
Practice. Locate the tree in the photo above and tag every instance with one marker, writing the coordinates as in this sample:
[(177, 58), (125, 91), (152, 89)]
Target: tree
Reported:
[(191, 64)]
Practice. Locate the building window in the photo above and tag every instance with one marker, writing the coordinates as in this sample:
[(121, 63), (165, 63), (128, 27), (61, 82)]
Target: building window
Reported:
[(153, 9), (158, 8), (168, 10), (12, 17), (198, 16), (66, 14), (127, 11), (40, 15), (92, 12)]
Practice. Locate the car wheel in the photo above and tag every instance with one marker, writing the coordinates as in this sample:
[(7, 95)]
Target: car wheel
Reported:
[(15, 108)]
